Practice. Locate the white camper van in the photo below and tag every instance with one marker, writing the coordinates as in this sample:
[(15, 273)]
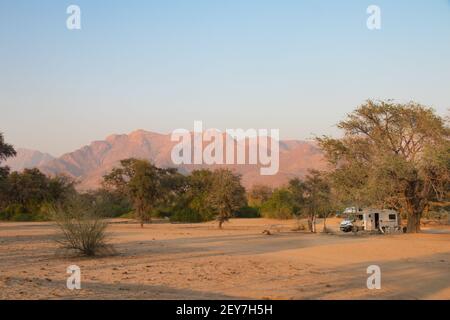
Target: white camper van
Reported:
[(383, 220)]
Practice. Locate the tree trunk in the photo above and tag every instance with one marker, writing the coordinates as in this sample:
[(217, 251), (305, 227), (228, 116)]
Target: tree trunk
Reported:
[(415, 205), (414, 211), (413, 225), (220, 224), (312, 223)]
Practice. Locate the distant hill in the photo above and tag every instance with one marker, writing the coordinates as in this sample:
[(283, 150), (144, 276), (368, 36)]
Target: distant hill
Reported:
[(91, 162), (27, 158)]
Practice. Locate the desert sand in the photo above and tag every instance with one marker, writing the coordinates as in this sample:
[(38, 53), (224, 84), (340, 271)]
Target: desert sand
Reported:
[(199, 261)]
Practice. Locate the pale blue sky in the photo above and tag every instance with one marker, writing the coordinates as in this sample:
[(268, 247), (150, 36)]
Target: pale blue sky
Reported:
[(158, 65)]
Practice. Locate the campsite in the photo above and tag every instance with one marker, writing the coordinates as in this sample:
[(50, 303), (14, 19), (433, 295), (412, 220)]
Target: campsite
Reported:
[(225, 150)]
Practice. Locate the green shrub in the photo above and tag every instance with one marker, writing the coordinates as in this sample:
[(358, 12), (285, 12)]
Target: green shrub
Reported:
[(248, 212), (107, 203), (22, 217), (277, 213), (279, 206), (186, 215), (15, 212), (44, 213), (3, 216), (162, 213), (128, 215)]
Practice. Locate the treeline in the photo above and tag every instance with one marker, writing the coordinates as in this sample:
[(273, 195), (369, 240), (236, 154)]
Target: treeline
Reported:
[(309, 198), (200, 196), (31, 195), (135, 189), (138, 189), (205, 195)]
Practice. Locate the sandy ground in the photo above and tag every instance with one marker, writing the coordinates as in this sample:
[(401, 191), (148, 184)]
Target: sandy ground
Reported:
[(198, 261)]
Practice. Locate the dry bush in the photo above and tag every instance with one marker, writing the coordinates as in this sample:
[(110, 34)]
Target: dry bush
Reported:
[(328, 230), (300, 225), (82, 229)]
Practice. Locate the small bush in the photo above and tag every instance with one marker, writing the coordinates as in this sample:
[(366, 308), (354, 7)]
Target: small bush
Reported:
[(282, 213), (279, 206), (300, 226), (108, 204), (128, 215), (248, 212), (3, 216), (18, 212), (82, 229), (15, 212), (22, 217), (186, 215)]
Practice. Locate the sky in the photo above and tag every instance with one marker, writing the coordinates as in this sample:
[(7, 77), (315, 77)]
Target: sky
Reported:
[(158, 65)]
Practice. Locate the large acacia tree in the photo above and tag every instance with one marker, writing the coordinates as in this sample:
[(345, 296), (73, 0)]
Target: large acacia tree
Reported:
[(392, 155), (146, 185)]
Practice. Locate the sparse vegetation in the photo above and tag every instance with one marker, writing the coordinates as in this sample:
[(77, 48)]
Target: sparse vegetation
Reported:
[(279, 206), (317, 198), (27, 195), (108, 203), (82, 229), (258, 195)]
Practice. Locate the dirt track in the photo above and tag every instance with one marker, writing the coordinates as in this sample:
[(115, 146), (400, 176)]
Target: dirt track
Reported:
[(198, 261)]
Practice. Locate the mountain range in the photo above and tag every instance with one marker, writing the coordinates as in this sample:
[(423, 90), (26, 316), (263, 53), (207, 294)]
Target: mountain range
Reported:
[(26, 158), (88, 164)]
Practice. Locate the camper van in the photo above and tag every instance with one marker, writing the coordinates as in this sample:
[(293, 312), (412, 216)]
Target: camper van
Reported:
[(383, 220)]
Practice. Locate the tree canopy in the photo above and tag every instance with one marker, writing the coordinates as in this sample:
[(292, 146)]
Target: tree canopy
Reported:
[(227, 194), (146, 185), (6, 151)]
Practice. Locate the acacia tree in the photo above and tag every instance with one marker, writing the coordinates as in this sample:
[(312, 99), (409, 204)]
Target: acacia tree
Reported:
[(146, 185), (259, 194), (32, 189), (297, 189), (227, 194), (6, 151), (280, 205), (311, 196), (392, 155), (199, 185)]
